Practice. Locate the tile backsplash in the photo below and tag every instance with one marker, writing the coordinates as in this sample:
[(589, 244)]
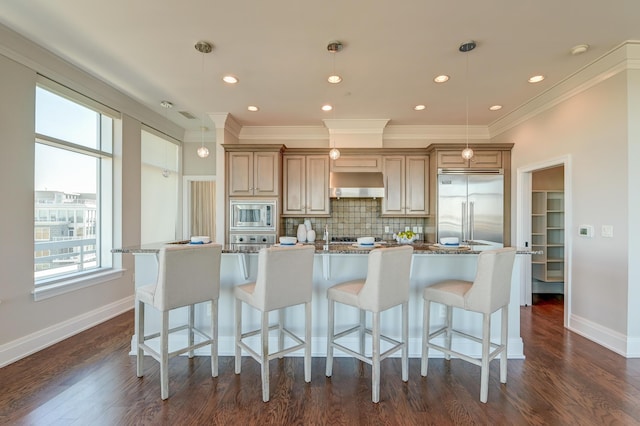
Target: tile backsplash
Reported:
[(356, 217)]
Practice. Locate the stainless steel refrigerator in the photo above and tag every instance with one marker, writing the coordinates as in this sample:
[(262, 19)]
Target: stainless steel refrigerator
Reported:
[(470, 206)]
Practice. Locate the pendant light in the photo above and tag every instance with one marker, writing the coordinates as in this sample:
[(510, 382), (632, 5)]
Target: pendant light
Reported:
[(467, 47), (166, 105), (203, 47), (334, 47)]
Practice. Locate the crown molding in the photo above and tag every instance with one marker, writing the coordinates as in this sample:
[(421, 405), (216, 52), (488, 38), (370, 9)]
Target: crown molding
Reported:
[(623, 57)]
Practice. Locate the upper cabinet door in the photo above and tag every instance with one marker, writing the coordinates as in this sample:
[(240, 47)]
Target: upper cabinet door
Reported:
[(317, 185), (293, 185), (417, 185), (406, 181), (394, 176), (254, 173), (265, 173), (241, 173), (306, 185)]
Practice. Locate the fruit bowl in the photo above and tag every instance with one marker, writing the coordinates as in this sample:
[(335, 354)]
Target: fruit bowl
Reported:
[(405, 237)]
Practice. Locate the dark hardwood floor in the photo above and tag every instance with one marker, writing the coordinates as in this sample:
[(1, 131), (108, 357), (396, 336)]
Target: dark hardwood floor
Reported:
[(90, 379)]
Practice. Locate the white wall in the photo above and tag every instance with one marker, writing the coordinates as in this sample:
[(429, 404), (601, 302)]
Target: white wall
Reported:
[(26, 325), (591, 128)]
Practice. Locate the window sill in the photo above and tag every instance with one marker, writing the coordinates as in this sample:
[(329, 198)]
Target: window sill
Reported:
[(58, 288)]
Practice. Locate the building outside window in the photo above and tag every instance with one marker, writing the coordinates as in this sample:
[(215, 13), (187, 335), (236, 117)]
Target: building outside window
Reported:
[(73, 185)]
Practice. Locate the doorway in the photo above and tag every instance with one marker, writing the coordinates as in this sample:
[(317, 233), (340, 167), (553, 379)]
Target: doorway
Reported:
[(199, 206), (547, 234), (543, 224)]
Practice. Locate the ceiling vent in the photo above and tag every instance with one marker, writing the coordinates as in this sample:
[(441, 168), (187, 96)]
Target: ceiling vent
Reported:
[(187, 114)]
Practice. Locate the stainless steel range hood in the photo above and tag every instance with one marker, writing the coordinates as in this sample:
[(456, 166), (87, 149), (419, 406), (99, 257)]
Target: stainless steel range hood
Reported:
[(356, 185)]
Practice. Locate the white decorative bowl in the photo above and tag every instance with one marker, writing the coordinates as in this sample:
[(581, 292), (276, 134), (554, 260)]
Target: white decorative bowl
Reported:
[(365, 241), (288, 240), (449, 241), (201, 239)]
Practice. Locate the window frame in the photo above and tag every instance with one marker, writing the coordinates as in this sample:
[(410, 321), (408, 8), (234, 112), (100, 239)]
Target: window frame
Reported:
[(60, 284)]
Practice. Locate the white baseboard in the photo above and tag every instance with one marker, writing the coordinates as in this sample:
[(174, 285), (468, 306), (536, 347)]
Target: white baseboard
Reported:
[(610, 339), (27, 345)]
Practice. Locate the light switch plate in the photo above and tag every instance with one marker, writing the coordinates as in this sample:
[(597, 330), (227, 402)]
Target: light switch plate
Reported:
[(607, 231), (386, 229), (585, 231)]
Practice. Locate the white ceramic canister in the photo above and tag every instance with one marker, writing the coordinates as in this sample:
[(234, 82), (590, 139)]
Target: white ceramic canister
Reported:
[(302, 233), (311, 235), (307, 224)]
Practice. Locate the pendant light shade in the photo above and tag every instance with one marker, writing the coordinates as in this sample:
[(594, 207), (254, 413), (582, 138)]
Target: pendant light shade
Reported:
[(203, 47), (203, 152), (467, 153), (333, 48), (334, 154)]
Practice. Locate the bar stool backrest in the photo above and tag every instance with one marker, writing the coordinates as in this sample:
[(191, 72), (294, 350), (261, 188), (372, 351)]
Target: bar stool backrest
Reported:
[(285, 277), (491, 288), (388, 276), (187, 274)]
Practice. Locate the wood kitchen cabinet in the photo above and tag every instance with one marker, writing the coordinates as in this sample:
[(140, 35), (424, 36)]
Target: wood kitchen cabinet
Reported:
[(253, 173), (406, 185), (482, 159), (305, 185)]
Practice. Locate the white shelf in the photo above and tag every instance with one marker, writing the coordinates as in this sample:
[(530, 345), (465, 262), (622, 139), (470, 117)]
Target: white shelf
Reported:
[(547, 230)]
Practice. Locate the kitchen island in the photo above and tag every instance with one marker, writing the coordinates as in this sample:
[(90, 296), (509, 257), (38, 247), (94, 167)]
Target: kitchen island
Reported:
[(338, 263)]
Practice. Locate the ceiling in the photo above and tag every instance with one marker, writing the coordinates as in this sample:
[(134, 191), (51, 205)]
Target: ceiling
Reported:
[(278, 50)]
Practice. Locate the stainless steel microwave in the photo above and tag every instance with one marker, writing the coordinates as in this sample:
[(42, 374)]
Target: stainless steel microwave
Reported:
[(253, 215)]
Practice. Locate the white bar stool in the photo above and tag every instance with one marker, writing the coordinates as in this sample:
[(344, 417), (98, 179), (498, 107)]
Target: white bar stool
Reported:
[(386, 286), (489, 292), (285, 278), (188, 274)]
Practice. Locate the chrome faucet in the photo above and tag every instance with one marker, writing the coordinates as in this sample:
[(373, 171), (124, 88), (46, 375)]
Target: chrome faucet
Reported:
[(326, 237)]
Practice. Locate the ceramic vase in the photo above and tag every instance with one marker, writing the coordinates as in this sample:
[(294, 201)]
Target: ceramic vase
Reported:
[(302, 233)]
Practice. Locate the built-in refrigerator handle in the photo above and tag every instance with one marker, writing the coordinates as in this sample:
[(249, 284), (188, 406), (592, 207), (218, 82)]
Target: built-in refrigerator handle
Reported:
[(463, 237), (472, 224)]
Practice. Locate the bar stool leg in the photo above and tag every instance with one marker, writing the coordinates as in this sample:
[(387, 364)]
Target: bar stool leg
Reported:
[(238, 335), (330, 337), (307, 342), (449, 320), (265, 356), (375, 357), (504, 339), (484, 369), (426, 320), (405, 340), (214, 338), (140, 339), (192, 316), (363, 323), (164, 356), (280, 331)]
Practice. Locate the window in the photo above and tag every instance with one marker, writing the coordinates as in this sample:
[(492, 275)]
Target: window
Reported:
[(73, 186), (159, 188)]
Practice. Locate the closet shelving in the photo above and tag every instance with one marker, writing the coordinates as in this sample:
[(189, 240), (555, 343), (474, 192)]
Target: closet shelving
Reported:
[(547, 235)]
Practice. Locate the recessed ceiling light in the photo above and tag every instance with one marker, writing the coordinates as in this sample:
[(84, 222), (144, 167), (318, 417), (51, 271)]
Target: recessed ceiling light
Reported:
[(581, 48), (334, 79), (495, 107), (419, 107), (230, 79), (166, 104), (327, 107), (441, 78), (536, 79), (253, 108)]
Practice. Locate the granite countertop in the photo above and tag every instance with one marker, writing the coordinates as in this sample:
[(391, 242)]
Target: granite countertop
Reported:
[(339, 248)]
